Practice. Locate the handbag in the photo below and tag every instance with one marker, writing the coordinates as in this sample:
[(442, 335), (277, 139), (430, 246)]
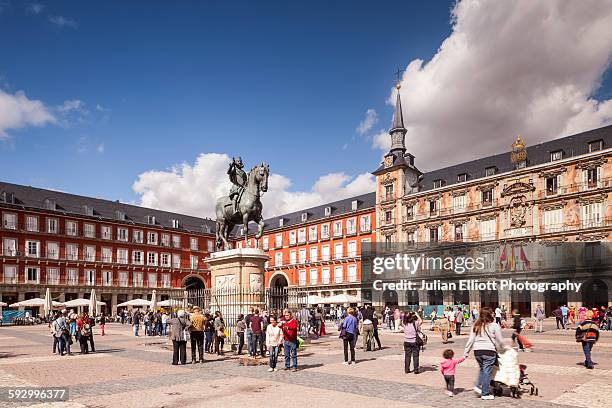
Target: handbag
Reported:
[(421, 339), (186, 332)]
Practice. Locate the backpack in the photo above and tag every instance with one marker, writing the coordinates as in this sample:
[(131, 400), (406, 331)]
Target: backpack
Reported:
[(86, 330)]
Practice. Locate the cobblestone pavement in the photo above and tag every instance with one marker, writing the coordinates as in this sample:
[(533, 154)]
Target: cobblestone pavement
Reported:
[(135, 372)]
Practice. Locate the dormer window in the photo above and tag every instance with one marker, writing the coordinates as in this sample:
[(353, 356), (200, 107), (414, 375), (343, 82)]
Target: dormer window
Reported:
[(490, 171), (354, 205), (461, 177), (206, 228), (557, 155), (327, 211), (88, 210), (438, 183), (120, 215), (304, 217), (151, 220), (8, 198), (50, 204), (281, 222), (595, 145), (174, 223)]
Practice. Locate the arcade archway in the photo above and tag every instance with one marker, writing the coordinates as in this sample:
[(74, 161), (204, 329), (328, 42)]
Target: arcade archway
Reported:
[(594, 293)]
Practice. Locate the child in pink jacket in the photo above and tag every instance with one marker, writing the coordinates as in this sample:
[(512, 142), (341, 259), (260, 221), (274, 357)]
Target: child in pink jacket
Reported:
[(447, 368)]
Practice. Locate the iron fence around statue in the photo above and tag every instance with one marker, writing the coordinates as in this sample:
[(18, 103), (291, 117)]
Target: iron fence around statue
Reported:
[(232, 302)]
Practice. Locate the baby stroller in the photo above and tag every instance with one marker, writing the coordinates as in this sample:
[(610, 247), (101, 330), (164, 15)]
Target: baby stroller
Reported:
[(511, 376)]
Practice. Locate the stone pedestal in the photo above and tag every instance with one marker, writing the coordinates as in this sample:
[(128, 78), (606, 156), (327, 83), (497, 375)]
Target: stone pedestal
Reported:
[(238, 268), (237, 283)]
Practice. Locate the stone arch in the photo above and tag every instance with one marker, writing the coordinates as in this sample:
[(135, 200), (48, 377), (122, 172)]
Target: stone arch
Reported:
[(193, 281), (412, 297), (594, 293), (390, 297), (279, 280)]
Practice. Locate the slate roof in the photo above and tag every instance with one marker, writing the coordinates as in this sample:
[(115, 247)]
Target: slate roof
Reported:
[(340, 207), (537, 154), (33, 197)]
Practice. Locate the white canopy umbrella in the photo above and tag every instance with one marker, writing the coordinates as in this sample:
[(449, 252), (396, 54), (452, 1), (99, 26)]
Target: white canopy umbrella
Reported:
[(316, 300), (48, 306), (35, 302), (154, 299), (135, 303), (170, 303), (80, 302), (342, 299), (94, 310)]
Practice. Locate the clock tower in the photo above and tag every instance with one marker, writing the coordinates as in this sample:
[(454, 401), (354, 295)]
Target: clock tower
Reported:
[(396, 177)]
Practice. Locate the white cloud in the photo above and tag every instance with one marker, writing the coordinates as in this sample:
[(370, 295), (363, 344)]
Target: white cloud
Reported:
[(72, 105), (18, 111), (62, 21), (371, 117), (101, 148), (194, 188), (35, 8), (508, 67)]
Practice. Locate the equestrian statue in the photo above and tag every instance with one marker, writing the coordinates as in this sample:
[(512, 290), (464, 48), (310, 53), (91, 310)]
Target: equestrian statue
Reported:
[(243, 204)]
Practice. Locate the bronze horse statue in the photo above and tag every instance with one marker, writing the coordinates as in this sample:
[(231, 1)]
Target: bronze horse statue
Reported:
[(249, 208)]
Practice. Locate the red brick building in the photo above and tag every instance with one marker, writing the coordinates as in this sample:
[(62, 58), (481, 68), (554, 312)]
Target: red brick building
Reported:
[(72, 244)]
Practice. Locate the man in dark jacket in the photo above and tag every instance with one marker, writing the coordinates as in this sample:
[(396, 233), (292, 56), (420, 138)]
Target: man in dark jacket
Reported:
[(559, 318)]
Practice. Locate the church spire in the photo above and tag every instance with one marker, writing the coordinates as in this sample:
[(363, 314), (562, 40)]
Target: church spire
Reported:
[(398, 131)]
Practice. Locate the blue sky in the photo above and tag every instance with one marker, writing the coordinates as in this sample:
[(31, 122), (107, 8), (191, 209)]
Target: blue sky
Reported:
[(285, 83), (103, 95)]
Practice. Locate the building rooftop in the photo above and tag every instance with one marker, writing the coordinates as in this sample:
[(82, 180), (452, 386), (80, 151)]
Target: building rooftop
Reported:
[(318, 213), (71, 204)]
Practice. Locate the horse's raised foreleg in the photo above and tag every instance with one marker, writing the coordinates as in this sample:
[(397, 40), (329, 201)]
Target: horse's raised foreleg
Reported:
[(260, 223), (245, 222)]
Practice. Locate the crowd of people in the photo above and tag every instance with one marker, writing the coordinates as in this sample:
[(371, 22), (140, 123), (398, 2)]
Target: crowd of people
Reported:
[(66, 327), (275, 333)]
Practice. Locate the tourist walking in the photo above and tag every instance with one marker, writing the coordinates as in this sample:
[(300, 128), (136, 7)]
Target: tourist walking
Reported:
[(517, 326), (447, 368), (179, 329), (458, 321), (375, 332), (559, 318), (444, 328), (587, 333), (412, 324), (136, 322), (290, 335), (209, 333), (102, 323), (539, 319), (240, 329), (257, 329), (274, 337), (348, 330), (197, 334), (249, 332), (498, 315), (368, 328), (84, 333), (397, 319), (219, 324), (485, 338)]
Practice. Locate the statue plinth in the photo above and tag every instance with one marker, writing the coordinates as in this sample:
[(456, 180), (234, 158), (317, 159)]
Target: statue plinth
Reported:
[(238, 268)]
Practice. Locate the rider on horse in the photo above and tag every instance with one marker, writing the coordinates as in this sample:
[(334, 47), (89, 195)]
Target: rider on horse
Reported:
[(238, 177)]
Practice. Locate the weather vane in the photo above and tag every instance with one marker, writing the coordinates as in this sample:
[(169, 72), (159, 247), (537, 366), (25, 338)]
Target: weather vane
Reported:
[(398, 78)]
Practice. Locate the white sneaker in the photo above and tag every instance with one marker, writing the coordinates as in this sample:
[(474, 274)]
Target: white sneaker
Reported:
[(270, 369), (345, 363), (450, 393), (353, 363), (487, 397), (477, 390), (276, 369)]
